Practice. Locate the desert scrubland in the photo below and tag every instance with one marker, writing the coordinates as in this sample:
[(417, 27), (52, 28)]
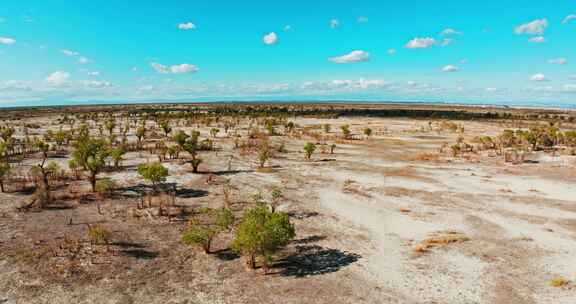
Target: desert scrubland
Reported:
[(367, 204)]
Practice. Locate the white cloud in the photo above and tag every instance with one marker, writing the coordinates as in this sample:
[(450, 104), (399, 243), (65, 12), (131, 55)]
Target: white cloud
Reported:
[(536, 27), (420, 43), (345, 85), (7, 40), (392, 51), (362, 19), (538, 77), (572, 77), (569, 88), (287, 28), (464, 60), (183, 68), (187, 26), (354, 56), (446, 41), (450, 31), (58, 78), (96, 84), (270, 38), (560, 61), (569, 18), (84, 60), (69, 52), (95, 73), (450, 68), (334, 23), (537, 39)]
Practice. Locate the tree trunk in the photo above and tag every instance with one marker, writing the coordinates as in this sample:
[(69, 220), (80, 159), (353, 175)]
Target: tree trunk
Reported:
[(93, 181), (2, 186), (250, 262)]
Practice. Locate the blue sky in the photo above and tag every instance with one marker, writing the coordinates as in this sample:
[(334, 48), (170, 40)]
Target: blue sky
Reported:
[(57, 51)]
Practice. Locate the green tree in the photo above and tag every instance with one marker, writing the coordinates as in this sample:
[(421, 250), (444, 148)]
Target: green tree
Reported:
[(192, 147), (261, 234), (346, 131), (117, 155), (309, 149), (165, 126), (263, 153), (367, 132), (202, 233), (154, 173), (4, 171), (91, 154)]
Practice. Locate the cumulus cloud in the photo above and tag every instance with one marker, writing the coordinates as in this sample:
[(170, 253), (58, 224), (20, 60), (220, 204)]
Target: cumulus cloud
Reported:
[(84, 60), (7, 40), (538, 77), (58, 78), (270, 38), (341, 85), (96, 84), (183, 68), (560, 61), (94, 73), (537, 39), (287, 28), (536, 27), (569, 18), (187, 26), (421, 43), (354, 56), (450, 68), (334, 23), (450, 31), (69, 52)]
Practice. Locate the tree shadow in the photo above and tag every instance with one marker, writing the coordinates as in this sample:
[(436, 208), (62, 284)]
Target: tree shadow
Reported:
[(315, 260), (231, 172), (226, 254), (140, 254), (310, 239), (190, 193), (303, 214)]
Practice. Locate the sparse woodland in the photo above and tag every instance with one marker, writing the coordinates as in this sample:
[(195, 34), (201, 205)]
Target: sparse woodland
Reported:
[(93, 181)]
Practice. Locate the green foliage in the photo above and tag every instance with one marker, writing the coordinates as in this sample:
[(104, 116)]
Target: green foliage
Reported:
[(154, 173), (264, 153), (117, 155), (165, 126), (202, 234), (99, 235), (262, 233), (180, 138), (309, 149), (91, 154), (346, 131), (106, 186), (367, 132)]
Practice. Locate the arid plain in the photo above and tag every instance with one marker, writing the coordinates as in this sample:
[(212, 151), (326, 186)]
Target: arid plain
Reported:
[(422, 206)]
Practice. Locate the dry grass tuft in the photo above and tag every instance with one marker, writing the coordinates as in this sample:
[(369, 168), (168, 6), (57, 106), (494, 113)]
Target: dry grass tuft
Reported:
[(560, 282), (426, 156), (439, 239)]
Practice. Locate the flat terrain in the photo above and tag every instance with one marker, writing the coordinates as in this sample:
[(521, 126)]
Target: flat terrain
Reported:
[(384, 219)]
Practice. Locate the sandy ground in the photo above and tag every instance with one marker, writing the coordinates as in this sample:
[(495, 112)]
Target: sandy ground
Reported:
[(373, 205)]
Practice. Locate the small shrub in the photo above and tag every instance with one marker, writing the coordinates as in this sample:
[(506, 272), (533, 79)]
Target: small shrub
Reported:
[(99, 235)]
